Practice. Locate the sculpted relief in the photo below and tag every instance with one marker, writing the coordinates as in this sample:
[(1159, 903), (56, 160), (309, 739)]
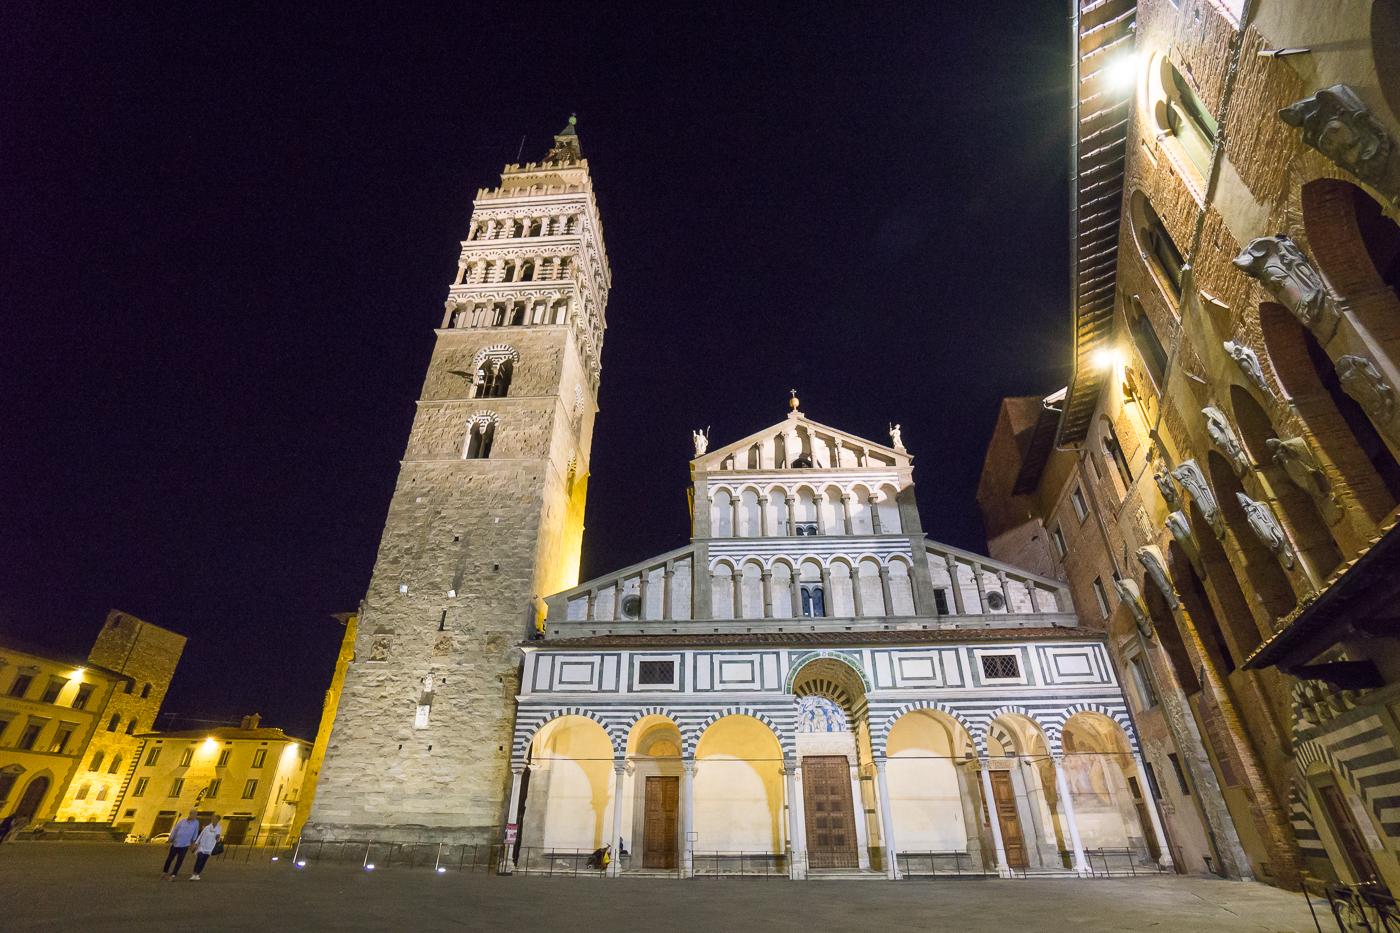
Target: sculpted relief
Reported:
[(1364, 382), (1266, 528), (1280, 266), (1337, 124), (1223, 436), (1163, 478), (1156, 566), (1131, 597), (1191, 478), (1296, 459), (1248, 362), (1180, 530)]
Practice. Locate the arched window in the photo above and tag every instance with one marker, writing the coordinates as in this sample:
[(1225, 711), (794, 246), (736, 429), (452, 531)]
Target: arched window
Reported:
[(813, 600), (480, 434), (1149, 347), (1335, 419), (101, 793), (129, 685), (131, 727), (96, 761), (528, 272), (82, 792), (1113, 452), (113, 723), (145, 691), (1158, 247), (116, 765), (1180, 114), (493, 377)]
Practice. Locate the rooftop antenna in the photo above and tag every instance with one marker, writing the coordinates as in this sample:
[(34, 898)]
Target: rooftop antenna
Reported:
[(519, 152)]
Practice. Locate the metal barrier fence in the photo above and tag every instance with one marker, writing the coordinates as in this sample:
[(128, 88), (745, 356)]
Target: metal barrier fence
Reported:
[(1128, 861), (757, 865), (439, 856), (938, 865)]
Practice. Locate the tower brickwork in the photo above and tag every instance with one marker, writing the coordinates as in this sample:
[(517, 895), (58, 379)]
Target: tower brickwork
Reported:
[(486, 519)]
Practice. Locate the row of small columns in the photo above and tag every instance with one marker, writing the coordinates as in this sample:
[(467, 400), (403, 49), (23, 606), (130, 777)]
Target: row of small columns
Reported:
[(483, 314), (818, 499), (489, 271), (737, 575), (797, 823), (550, 225)]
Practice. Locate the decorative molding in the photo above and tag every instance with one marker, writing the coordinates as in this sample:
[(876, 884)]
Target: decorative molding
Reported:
[(1285, 272), (1191, 478), (1224, 437)]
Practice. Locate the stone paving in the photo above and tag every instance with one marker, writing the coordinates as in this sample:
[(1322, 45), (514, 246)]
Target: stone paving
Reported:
[(110, 887)]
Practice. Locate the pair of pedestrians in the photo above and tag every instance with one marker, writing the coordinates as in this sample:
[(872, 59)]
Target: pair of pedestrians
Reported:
[(185, 834)]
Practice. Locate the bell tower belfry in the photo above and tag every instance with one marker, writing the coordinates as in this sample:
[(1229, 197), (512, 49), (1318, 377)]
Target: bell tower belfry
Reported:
[(487, 517)]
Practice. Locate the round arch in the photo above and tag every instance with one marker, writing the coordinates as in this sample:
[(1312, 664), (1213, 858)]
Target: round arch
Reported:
[(531, 728), (1261, 566)]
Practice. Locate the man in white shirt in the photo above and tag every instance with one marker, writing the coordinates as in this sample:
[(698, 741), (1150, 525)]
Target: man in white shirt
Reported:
[(181, 835), (204, 847)]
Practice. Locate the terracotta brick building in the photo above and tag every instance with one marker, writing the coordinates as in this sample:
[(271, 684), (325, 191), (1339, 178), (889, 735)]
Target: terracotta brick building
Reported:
[(1220, 476)]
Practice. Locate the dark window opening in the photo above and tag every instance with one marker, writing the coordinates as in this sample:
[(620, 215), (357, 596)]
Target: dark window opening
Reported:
[(20, 686), (940, 601), (996, 601), (145, 691), (1114, 451), (656, 672), (805, 529), (1158, 246), (479, 438), (30, 736), (80, 701), (493, 378), (1149, 347), (52, 691), (1152, 784), (1000, 666), (1180, 774), (803, 463), (113, 723), (813, 600)]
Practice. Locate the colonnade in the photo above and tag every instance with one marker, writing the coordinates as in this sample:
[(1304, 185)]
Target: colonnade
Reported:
[(525, 225), (516, 269)]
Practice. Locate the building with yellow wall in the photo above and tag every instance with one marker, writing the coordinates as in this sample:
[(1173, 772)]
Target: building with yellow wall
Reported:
[(250, 776)]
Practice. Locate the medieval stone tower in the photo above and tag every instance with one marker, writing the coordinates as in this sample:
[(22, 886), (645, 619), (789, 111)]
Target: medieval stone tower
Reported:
[(486, 519)]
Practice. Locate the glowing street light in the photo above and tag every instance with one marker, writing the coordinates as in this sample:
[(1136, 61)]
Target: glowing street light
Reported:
[(1122, 71)]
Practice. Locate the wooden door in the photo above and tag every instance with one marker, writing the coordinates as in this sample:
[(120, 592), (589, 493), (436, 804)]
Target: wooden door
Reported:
[(1011, 836), (1144, 819), (659, 825), (1348, 833), (28, 806), (164, 821), (236, 830), (831, 818)]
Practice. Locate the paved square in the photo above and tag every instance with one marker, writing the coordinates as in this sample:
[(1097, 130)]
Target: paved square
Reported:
[(85, 886)]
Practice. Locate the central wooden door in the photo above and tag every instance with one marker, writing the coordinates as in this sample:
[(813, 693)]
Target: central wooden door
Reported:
[(1349, 834), (1011, 837), (831, 818), (659, 826)]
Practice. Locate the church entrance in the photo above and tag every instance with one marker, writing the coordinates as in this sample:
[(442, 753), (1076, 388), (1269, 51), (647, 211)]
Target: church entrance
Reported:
[(1011, 836), (659, 828), (831, 818)]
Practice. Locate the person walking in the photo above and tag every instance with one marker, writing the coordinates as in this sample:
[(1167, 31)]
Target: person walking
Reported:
[(181, 835), (210, 840), (7, 824)]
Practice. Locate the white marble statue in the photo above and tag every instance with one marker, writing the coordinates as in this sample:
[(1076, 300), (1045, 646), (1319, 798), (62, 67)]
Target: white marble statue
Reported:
[(896, 438), (702, 443)]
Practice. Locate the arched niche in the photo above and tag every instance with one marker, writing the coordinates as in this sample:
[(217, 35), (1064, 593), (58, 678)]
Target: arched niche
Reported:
[(1261, 566)]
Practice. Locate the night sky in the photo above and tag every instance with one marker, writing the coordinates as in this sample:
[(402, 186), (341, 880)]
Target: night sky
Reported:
[(225, 241)]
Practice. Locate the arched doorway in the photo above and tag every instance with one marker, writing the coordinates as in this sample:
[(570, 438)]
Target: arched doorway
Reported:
[(32, 800), (1335, 419), (927, 754), (1022, 779), (651, 795), (832, 739)]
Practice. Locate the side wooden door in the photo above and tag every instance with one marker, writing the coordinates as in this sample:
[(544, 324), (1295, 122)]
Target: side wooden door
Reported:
[(1011, 836), (659, 824), (1348, 834), (831, 819)]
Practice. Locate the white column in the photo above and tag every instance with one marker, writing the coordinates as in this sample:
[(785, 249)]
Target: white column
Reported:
[(688, 823), (862, 831), (516, 771), (615, 866), (735, 500), (1166, 860), (797, 865), (1002, 868), (763, 516), (886, 821), (1081, 864)]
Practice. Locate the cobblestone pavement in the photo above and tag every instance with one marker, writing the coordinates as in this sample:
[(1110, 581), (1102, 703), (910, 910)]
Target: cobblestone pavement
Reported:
[(110, 887)]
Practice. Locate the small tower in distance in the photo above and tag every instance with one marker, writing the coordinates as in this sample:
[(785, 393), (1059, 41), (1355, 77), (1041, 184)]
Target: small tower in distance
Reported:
[(487, 517)]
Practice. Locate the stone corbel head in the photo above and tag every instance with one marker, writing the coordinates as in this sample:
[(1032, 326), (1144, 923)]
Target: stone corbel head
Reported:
[(1248, 362), (1224, 437), (1295, 458), (1337, 124), (1191, 478), (1180, 528), (1163, 478), (1266, 528), (1155, 564), (1364, 382), (1284, 271), (1131, 596)]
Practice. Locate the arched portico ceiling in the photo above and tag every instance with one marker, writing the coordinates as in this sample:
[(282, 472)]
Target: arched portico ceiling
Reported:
[(843, 668)]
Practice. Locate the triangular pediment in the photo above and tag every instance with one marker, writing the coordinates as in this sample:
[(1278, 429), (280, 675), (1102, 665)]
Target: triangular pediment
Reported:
[(866, 453)]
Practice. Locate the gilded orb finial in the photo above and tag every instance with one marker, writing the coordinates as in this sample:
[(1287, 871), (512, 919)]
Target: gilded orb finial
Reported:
[(794, 402)]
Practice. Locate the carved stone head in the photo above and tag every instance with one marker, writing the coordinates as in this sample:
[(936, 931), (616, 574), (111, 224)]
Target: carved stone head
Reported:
[(1337, 124), (1223, 436), (1280, 266), (1248, 362), (1364, 382), (1165, 485)]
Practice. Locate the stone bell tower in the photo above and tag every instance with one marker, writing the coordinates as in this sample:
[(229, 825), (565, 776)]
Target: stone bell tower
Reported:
[(486, 519)]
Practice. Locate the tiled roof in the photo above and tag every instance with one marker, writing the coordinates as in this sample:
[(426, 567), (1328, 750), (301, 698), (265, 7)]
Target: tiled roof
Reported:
[(897, 637)]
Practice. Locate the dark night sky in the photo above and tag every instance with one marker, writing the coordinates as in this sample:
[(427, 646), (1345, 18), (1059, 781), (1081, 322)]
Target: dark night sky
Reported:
[(225, 240)]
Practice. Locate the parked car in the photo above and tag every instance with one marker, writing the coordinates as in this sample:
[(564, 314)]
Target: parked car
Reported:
[(163, 838)]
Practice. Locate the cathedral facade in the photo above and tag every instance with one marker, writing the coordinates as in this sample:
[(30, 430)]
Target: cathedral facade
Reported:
[(812, 686)]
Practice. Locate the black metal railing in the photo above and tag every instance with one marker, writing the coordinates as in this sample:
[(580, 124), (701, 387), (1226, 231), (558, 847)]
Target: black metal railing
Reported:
[(1131, 862), (938, 865), (439, 856), (755, 865)]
